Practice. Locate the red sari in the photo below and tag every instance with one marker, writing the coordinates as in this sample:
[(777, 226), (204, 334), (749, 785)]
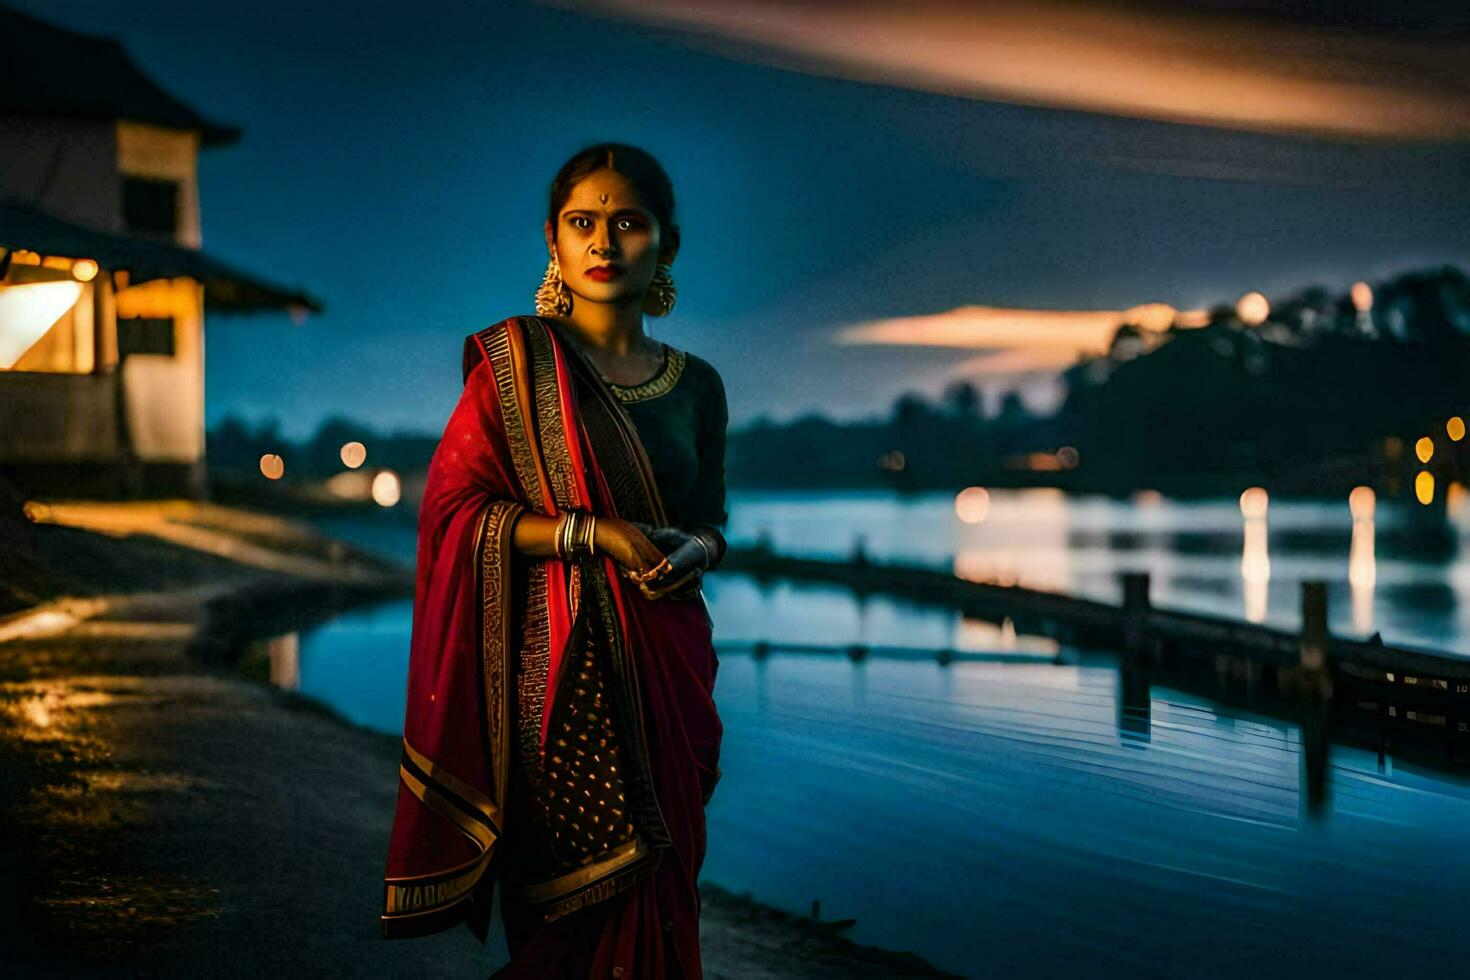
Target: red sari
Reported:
[(560, 737)]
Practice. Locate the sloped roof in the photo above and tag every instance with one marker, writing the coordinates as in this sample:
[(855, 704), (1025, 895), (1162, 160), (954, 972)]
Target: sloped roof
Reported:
[(225, 288), (48, 70)]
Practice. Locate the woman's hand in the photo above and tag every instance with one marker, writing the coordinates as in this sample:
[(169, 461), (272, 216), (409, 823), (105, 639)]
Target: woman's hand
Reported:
[(686, 556), (626, 544)]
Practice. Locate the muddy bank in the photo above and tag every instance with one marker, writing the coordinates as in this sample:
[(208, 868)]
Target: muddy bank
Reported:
[(169, 816)]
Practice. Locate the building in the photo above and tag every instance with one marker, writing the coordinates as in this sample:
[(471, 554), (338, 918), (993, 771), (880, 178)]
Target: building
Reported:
[(103, 284)]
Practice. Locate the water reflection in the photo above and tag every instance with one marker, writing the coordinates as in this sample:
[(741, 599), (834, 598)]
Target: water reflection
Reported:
[(284, 655), (1016, 807), (1255, 563), (1073, 796), (1203, 556), (1362, 566)]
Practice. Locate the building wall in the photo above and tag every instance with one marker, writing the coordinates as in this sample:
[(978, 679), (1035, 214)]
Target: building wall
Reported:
[(164, 154), (57, 418), (166, 394), (65, 167)]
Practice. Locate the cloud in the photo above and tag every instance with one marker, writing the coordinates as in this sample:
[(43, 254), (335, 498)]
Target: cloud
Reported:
[(1178, 65), (1016, 348)]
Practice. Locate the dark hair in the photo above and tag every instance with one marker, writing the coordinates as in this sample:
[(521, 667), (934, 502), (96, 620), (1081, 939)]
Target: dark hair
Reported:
[(642, 171)]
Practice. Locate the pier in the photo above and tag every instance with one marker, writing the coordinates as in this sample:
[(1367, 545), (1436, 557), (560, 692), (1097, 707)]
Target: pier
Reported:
[(1380, 696)]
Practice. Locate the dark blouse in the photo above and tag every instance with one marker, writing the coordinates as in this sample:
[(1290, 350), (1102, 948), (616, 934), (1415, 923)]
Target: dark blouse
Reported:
[(681, 415)]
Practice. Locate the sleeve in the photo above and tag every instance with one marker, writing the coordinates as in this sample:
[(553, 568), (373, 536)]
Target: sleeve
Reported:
[(707, 506)]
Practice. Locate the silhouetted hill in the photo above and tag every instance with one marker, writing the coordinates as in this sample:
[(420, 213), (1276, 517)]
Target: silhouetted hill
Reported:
[(1322, 395)]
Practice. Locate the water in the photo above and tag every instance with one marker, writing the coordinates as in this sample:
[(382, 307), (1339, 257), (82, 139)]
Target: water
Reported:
[(998, 817), (1385, 574)]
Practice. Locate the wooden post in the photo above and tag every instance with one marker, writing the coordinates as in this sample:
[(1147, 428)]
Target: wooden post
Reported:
[(1134, 702), (1315, 713), (1314, 625), (1136, 608)]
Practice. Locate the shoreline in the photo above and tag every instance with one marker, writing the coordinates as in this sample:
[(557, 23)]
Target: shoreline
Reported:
[(168, 810)]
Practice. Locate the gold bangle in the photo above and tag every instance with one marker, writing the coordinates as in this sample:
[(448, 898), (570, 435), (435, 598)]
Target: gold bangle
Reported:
[(561, 533), (592, 534), (573, 537)]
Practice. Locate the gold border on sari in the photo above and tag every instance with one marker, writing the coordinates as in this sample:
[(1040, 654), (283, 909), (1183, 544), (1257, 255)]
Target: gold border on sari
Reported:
[(551, 422), (409, 900), (495, 549), (499, 344), (546, 891)]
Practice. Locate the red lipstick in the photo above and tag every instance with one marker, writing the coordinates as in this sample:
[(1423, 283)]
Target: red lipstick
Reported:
[(604, 273)]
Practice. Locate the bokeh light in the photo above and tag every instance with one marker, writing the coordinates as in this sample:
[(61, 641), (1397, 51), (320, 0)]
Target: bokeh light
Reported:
[(972, 504), (386, 488), (354, 454), (273, 467), (1455, 428), (1362, 295), (1253, 503), (1362, 502), (1252, 308), (1424, 487), (84, 270), (1424, 449)]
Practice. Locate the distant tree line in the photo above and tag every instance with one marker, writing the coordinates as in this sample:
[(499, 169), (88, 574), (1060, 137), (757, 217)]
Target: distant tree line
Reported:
[(234, 448), (1322, 395)]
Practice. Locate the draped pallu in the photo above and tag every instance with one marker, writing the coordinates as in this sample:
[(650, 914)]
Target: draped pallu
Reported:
[(560, 736)]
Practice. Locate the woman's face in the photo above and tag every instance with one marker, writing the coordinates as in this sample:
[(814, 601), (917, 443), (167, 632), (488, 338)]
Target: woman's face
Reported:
[(606, 241)]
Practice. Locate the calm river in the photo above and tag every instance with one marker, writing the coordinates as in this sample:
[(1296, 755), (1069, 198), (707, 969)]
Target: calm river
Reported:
[(994, 815)]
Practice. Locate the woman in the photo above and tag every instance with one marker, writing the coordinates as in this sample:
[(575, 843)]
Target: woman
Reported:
[(560, 735)]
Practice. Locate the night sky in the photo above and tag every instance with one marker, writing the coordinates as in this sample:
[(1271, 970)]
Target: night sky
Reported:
[(397, 169)]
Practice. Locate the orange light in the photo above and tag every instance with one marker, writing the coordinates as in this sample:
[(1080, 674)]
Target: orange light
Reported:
[(1362, 295), (386, 489), (1253, 308), (354, 454), (84, 270), (1424, 449), (972, 504), (1424, 487), (1361, 503), (1455, 427), (272, 467), (1253, 502)]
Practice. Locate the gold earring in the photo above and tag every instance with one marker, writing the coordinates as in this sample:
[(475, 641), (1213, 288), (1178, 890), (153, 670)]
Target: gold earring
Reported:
[(553, 298), (661, 292)]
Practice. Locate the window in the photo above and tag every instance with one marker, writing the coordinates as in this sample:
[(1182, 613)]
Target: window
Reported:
[(145, 335), (45, 319), (151, 207)]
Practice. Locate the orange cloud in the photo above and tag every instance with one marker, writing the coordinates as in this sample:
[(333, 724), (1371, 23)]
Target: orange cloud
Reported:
[(1147, 62), (1057, 335)]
